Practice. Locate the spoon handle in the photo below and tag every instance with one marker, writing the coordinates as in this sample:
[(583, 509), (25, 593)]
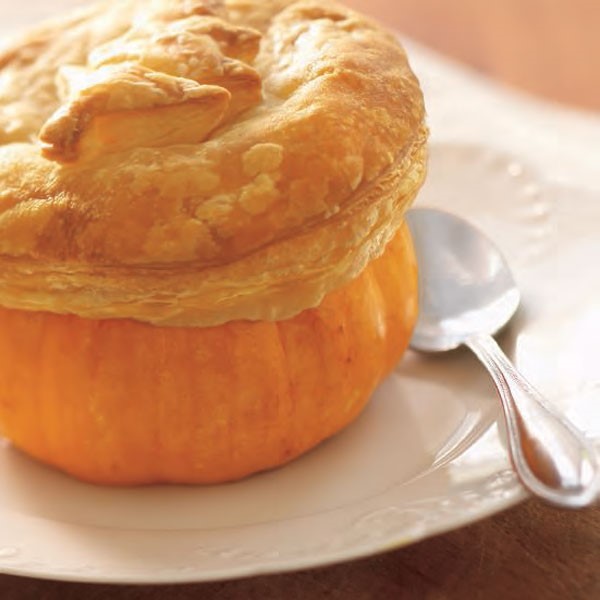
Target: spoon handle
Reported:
[(553, 460)]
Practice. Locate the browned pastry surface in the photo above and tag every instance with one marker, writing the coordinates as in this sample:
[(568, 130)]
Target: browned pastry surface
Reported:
[(197, 161)]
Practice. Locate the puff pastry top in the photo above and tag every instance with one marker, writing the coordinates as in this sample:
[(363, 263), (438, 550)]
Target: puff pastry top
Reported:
[(190, 162)]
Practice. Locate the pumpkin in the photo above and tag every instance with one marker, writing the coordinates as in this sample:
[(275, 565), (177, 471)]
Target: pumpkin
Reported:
[(124, 402)]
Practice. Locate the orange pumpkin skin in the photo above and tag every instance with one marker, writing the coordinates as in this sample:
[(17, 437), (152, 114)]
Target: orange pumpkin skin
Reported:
[(122, 402)]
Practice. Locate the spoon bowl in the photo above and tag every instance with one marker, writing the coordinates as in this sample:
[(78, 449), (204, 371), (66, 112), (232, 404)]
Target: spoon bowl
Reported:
[(466, 295), (465, 285)]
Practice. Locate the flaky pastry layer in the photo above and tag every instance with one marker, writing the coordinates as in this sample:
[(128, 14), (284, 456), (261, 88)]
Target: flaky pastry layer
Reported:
[(192, 162)]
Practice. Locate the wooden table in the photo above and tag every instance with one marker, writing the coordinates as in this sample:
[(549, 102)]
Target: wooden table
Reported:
[(550, 48)]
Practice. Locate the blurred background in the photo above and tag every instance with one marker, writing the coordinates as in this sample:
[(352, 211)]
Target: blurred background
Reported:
[(550, 48)]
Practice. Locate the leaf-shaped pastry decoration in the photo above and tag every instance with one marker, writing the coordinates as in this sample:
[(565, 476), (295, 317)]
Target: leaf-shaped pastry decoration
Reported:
[(207, 50), (120, 107), (159, 84)]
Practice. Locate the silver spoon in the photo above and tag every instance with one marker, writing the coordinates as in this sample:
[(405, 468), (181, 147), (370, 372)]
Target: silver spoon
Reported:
[(467, 294)]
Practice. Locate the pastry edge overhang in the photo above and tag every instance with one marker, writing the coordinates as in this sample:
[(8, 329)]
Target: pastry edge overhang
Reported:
[(275, 282)]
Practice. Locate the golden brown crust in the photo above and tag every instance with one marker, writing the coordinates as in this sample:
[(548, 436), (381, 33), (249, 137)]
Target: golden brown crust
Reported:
[(191, 162)]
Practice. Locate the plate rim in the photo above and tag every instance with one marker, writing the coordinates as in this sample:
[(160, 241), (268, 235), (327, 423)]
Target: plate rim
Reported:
[(507, 494)]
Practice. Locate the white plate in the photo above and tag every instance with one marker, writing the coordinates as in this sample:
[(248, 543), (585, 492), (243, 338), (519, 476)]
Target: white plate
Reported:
[(426, 456)]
